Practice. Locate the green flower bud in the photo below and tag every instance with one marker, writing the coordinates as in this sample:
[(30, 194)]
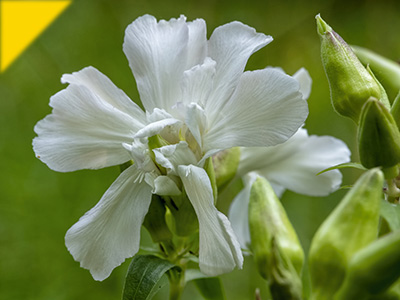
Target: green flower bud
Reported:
[(225, 165), (155, 222), (373, 269), (276, 248), (350, 83), (386, 70), (350, 227), (378, 136)]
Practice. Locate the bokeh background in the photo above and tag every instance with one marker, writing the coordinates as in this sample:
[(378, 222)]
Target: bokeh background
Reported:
[(37, 205)]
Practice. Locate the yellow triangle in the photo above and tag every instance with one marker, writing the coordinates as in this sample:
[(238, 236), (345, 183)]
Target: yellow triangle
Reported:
[(21, 22)]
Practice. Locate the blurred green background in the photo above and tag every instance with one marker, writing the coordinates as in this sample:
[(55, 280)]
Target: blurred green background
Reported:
[(38, 205)]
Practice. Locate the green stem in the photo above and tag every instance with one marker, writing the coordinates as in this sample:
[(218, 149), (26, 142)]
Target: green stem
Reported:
[(176, 283), (392, 192)]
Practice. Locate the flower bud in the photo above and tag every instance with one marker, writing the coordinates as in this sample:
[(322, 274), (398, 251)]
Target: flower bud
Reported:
[(350, 83), (386, 70), (226, 163), (373, 269), (350, 227), (274, 243), (378, 136)]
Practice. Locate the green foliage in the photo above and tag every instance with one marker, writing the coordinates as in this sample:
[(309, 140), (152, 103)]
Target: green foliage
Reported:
[(143, 274)]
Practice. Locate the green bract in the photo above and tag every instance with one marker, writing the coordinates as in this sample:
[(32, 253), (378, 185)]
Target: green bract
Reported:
[(350, 83), (378, 136), (350, 227), (276, 248)]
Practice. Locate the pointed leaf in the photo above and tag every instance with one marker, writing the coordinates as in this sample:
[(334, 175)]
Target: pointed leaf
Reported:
[(143, 274), (345, 165)]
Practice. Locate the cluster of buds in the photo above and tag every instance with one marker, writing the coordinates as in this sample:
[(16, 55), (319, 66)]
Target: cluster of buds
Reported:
[(346, 260), (356, 93)]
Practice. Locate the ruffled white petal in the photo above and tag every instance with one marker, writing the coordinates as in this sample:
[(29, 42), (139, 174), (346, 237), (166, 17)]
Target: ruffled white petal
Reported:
[(157, 54), (171, 156), (197, 45), (165, 186), (294, 164), (219, 249), (86, 128), (104, 88), (156, 127), (266, 109), (239, 210), (196, 121), (305, 81), (198, 83), (230, 45), (110, 232)]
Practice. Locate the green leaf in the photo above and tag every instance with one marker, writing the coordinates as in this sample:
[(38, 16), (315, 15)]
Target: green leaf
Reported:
[(144, 273), (210, 288), (391, 213), (345, 165)]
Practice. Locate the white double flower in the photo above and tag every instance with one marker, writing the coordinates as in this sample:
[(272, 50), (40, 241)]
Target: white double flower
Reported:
[(197, 101)]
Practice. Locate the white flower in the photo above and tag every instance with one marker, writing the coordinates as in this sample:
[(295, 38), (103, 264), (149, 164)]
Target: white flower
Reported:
[(198, 101), (293, 165)]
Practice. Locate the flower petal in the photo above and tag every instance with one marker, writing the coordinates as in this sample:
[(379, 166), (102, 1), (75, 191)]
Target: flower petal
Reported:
[(305, 81), (219, 249), (197, 45), (157, 54), (104, 88), (171, 156), (110, 232), (238, 212), (266, 109), (85, 130), (231, 45), (295, 163), (198, 82), (155, 127)]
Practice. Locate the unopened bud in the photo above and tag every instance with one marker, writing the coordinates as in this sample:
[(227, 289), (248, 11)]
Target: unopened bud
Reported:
[(378, 136), (274, 243), (350, 227), (373, 269), (350, 83)]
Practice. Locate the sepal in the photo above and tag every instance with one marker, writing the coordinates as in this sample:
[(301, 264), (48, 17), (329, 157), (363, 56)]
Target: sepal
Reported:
[(378, 136)]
